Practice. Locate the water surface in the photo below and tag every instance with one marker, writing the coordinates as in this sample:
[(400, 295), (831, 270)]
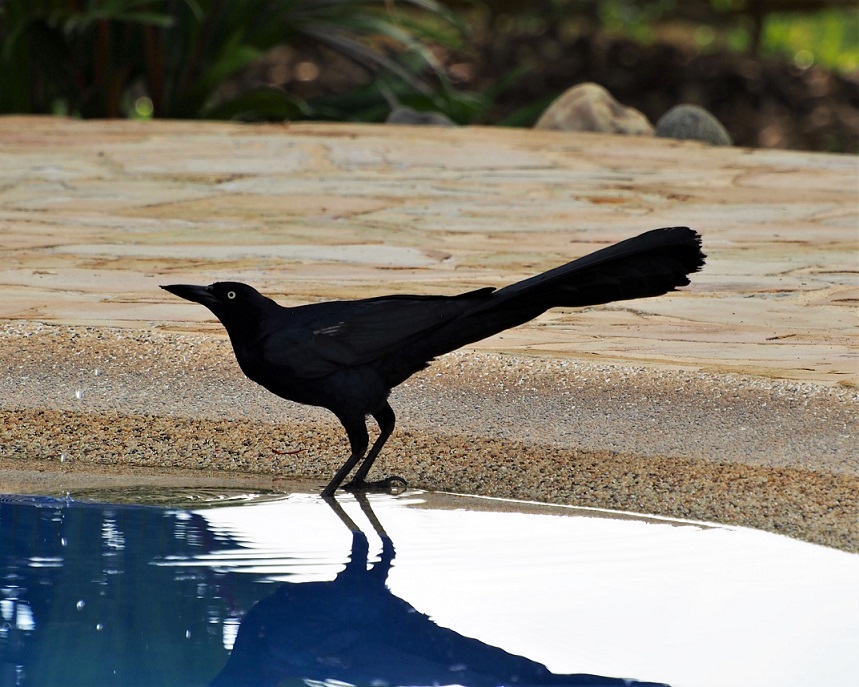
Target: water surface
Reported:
[(209, 587)]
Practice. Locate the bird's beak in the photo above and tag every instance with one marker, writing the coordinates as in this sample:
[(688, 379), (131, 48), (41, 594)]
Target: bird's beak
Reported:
[(198, 294)]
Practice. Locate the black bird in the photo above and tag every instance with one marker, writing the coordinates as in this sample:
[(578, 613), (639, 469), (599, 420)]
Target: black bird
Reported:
[(347, 355)]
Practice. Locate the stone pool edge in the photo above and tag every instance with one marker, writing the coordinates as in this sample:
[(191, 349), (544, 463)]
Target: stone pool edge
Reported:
[(807, 505)]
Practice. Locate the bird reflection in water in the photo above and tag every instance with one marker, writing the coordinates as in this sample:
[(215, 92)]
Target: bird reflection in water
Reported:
[(353, 629)]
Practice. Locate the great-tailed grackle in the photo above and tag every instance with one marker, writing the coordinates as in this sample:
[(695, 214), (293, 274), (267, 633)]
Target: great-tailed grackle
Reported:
[(347, 355)]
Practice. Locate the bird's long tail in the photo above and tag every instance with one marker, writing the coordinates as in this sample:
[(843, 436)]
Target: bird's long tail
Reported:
[(650, 264)]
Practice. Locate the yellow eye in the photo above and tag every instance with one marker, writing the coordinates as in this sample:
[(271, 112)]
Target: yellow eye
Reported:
[(231, 295)]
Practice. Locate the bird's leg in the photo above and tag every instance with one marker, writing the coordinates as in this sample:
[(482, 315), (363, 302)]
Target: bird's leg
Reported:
[(380, 570), (386, 419), (356, 429)]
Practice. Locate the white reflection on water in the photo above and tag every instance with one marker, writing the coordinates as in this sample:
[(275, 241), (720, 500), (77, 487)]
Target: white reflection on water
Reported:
[(686, 603)]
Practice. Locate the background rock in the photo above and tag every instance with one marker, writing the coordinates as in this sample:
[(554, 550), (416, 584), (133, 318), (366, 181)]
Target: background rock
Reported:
[(590, 107), (690, 122)]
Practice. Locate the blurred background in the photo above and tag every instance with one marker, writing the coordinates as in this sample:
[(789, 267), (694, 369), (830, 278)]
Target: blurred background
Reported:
[(775, 73)]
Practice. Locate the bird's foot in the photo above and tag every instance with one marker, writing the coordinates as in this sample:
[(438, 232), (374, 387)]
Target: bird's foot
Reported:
[(392, 485)]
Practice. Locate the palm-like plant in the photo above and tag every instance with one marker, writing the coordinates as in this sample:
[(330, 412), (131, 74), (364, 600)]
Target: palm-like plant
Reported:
[(86, 56)]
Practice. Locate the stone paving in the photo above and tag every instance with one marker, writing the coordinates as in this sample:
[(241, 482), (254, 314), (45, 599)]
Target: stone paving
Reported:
[(94, 215)]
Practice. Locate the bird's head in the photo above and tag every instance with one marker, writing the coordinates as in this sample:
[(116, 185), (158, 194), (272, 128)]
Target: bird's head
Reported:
[(235, 304)]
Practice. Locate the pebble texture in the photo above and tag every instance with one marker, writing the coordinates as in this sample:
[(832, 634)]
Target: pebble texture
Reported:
[(682, 444), (734, 401)]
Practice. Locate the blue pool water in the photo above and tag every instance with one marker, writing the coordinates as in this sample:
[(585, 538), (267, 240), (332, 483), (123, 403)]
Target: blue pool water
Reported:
[(416, 589)]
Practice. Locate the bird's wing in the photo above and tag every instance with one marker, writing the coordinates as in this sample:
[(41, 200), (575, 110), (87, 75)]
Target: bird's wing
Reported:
[(324, 338)]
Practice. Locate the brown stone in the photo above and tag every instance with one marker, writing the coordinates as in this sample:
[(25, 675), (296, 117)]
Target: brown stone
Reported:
[(590, 107)]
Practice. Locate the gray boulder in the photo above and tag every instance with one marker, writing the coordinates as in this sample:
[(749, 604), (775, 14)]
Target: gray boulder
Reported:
[(408, 115), (690, 122)]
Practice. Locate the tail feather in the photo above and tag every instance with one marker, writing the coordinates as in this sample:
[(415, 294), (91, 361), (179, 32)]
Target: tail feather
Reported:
[(650, 264), (647, 265)]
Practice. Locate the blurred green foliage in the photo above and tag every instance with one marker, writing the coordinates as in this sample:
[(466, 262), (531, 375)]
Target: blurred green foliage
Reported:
[(168, 58), (172, 58), (830, 35), (828, 38)]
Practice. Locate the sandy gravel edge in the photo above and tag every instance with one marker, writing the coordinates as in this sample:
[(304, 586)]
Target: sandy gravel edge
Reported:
[(119, 401), (815, 507)]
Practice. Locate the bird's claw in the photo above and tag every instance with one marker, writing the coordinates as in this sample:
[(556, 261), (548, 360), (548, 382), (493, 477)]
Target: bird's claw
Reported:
[(393, 485)]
